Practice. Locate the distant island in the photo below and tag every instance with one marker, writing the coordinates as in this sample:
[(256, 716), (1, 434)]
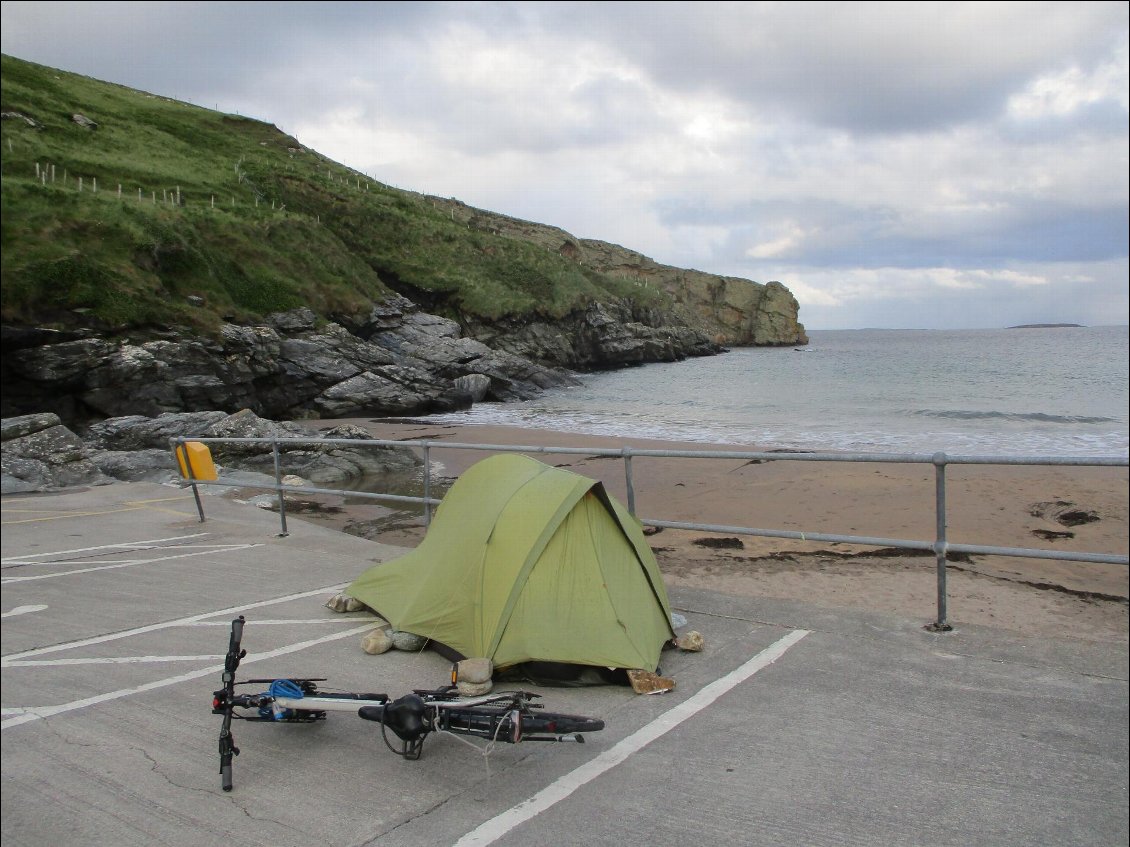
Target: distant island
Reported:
[(1042, 326)]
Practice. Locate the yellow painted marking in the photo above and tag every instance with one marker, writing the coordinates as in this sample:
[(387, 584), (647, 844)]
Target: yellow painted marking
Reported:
[(128, 506)]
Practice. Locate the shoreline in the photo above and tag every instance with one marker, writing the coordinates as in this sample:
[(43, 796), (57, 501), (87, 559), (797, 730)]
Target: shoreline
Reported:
[(1004, 506)]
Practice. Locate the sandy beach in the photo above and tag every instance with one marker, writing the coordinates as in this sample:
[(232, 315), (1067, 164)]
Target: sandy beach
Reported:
[(1003, 506)]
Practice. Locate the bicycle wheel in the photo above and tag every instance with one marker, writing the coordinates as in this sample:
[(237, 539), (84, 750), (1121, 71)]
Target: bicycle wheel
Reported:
[(549, 723), (499, 724), (481, 721)]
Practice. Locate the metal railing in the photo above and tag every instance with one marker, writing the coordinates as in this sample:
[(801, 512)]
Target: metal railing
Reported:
[(940, 546)]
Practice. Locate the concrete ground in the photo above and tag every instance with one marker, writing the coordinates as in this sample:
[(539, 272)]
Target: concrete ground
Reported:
[(797, 725)]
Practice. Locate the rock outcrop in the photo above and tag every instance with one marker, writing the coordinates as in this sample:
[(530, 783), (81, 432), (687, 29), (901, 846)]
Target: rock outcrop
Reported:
[(729, 311), (293, 367), (41, 454), (395, 360)]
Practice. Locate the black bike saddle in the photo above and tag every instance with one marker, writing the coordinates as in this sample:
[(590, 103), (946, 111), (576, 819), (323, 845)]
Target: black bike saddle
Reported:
[(404, 716)]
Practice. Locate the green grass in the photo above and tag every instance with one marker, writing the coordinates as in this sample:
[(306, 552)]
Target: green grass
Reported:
[(262, 225)]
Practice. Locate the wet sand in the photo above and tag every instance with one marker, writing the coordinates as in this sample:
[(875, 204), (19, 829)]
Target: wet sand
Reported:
[(1002, 506)]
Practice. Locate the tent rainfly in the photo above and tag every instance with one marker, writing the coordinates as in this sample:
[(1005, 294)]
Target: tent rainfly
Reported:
[(528, 563)]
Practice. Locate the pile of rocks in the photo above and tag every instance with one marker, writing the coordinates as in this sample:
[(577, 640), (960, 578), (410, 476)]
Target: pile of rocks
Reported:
[(39, 453)]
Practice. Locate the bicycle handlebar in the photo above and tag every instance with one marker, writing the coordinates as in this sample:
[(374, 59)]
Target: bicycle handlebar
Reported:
[(224, 701)]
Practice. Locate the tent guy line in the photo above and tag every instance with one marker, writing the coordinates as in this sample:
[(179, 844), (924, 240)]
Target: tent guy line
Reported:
[(490, 831)]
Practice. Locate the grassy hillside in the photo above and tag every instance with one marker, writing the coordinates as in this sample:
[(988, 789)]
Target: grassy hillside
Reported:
[(165, 214)]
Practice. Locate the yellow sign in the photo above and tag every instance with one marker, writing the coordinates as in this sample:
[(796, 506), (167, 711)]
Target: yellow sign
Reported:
[(195, 456)]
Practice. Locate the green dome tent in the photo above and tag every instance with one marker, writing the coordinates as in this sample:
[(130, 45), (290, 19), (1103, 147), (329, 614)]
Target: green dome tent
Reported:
[(528, 563)]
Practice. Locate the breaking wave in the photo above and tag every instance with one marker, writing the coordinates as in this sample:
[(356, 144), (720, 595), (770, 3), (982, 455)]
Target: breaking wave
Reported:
[(1020, 417)]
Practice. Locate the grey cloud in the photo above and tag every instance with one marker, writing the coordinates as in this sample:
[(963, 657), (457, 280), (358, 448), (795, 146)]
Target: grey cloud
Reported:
[(840, 235), (862, 67), (207, 51), (1103, 118)]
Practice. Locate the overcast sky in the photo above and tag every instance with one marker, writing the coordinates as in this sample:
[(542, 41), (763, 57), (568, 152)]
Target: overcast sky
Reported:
[(931, 165)]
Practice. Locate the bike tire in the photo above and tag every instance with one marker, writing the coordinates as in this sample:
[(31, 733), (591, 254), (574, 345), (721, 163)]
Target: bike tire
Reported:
[(550, 723), (498, 724)]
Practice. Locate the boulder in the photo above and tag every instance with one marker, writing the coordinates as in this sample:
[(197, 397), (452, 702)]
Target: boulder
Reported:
[(344, 603), (475, 386), (474, 671), (407, 641), (376, 641), (473, 689), (691, 642), (40, 454), (150, 465)]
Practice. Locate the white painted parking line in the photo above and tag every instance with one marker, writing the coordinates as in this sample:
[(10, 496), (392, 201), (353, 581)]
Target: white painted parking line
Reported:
[(278, 622), (125, 545), (218, 548), (189, 621), (109, 660), (9, 662), (493, 829), (22, 610), (34, 713)]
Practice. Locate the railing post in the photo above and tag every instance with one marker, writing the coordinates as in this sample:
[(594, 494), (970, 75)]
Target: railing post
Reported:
[(278, 488), (627, 454), (940, 625), (427, 488), (182, 453)]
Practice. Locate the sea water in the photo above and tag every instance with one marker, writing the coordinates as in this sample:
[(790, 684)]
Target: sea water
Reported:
[(1047, 391)]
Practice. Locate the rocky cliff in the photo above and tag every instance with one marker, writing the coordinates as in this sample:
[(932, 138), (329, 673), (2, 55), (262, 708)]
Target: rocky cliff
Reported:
[(394, 360), (268, 277), (729, 311)]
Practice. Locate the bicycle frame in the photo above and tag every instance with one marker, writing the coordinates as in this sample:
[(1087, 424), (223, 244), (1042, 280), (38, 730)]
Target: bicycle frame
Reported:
[(501, 716)]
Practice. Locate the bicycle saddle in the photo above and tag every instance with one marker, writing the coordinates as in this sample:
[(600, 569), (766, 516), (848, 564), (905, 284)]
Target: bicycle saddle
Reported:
[(404, 716)]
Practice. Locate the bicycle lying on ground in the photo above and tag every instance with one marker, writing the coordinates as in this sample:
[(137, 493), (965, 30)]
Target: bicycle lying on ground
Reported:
[(509, 716)]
